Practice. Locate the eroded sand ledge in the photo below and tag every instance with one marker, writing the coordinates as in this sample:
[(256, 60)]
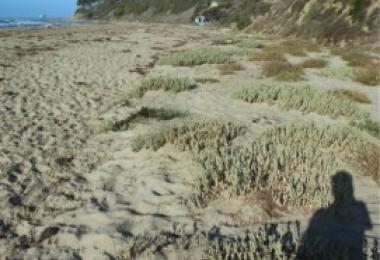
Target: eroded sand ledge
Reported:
[(68, 191)]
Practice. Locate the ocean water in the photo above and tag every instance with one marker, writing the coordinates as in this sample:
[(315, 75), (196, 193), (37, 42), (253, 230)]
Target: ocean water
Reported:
[(36, 23)]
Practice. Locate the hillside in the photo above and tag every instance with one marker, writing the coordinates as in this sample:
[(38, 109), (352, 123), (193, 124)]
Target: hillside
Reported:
[(327, 19)]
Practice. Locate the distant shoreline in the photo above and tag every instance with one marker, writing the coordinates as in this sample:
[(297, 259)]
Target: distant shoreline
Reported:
[(30, 23)]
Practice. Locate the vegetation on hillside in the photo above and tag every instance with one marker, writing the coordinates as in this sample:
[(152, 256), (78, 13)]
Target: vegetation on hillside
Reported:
[(332, 20)]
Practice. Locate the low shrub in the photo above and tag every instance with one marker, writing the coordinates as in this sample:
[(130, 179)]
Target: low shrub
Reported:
[(162, 82), (303, 98)]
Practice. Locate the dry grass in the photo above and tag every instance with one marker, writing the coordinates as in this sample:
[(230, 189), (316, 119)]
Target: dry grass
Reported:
[(230, 68), (353, 95), (368, 74), (354, 58), (314, 63), (267, 55), (277, 51), (283, 71), (298, 47), (367, 161)]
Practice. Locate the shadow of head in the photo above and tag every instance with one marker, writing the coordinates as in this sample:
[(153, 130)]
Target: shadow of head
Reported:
[(342, 188)]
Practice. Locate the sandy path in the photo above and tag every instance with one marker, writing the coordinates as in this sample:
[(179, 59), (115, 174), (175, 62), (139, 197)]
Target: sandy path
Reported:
[(49, 104)]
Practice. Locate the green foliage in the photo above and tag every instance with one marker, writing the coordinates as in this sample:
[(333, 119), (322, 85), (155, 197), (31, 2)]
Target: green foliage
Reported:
[(303, 98), (158, 7), (85, 2), (119, 11), (198, 57), (162, 82), (357, 8), (243, 11)]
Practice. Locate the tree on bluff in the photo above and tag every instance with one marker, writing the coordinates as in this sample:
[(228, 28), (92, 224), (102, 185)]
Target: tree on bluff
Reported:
[(86, 3)]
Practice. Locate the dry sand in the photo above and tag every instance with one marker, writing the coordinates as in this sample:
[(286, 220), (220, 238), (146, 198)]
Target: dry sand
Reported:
[(70, 192)]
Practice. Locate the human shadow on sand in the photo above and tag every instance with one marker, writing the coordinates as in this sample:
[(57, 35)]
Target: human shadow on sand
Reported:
[(338, 231)]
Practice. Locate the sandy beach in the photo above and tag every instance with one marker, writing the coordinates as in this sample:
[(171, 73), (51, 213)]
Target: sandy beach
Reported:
[(70, 190)]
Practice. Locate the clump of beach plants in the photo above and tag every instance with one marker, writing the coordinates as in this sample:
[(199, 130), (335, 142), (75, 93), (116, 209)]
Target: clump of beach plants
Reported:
[(198, 57), (283, 172), (303, 98), (165, 83)]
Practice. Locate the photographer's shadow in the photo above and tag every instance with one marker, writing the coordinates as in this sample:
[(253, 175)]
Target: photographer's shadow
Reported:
[(337, 232)]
